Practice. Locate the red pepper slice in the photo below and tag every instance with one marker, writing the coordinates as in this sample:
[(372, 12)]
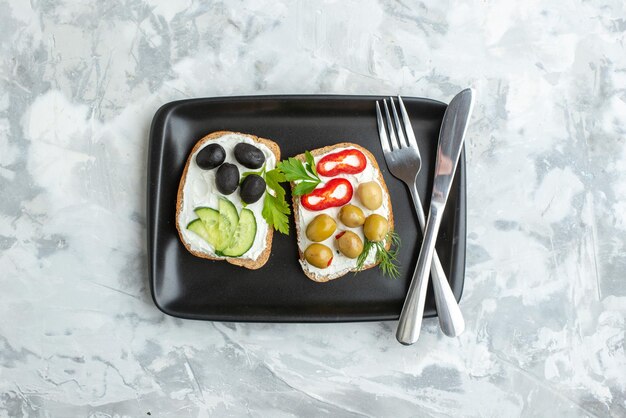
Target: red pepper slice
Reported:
[(336, 192), (348, 161)]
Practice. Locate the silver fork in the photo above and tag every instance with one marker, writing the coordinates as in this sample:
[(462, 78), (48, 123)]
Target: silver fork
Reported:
[(404, 162)]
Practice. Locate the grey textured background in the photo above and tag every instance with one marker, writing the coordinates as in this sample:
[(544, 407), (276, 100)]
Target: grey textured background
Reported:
[(545, 298)]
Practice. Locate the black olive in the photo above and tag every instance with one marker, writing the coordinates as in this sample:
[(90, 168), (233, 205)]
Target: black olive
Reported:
[(210, 156), (227, 178), (249, 155), (252, 188)]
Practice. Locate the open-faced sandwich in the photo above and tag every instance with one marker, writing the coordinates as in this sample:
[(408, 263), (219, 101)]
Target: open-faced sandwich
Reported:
[(342, 212), (229, 199)]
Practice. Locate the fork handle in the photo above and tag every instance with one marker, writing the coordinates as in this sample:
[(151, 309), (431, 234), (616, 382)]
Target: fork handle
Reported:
[(450, 317)]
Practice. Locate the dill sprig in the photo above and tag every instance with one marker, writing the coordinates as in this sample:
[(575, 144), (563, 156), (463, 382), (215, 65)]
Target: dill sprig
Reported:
[(386, 258)]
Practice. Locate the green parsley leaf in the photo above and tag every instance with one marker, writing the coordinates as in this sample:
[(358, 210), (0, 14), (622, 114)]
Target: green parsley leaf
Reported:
[(304, 187), (273, 178), (275, 207), (310, 162), (293, 169), (275, 211), (303, 174)]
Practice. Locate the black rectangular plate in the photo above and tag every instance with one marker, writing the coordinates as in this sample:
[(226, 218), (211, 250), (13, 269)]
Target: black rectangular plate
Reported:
[(190, 287)]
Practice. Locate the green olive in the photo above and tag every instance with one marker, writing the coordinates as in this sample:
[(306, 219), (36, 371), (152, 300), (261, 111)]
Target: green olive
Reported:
[(375, 228), (320, 228), (370, 194), (351, 216), (318, 255), (350, 244)]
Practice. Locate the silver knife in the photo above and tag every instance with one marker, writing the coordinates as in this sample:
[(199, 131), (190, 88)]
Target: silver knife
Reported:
[(451, 136)]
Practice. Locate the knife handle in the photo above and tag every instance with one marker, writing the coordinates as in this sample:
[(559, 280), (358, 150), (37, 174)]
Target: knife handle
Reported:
[(450, 317), (410, 322)]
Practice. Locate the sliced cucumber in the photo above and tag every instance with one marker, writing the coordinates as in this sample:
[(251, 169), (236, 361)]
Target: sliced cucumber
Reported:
[(244, 235), (197, 226), (210, 218), (230, 234), (227, 224)]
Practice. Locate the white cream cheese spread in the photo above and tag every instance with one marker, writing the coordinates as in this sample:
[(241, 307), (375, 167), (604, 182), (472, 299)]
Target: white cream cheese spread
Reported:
[(199, 190), (341, 264)]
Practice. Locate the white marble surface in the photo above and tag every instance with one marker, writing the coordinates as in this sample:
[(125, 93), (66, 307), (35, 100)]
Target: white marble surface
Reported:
[(545, 295)]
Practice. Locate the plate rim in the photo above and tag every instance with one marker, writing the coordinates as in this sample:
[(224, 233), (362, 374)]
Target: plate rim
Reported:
[(154, 165)]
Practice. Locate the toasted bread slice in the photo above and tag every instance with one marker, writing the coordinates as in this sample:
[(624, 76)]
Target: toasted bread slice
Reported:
[(252, 264), (296, 209)]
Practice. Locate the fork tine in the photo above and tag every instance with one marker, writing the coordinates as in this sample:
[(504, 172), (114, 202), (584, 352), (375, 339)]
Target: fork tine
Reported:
[(401, 138), (392, 134), (382, 133), (410, 135)]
